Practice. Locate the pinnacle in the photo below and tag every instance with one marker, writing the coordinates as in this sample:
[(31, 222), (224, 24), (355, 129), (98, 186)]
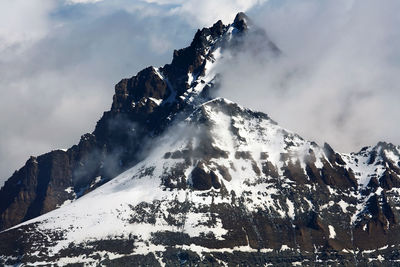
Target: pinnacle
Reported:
[(241, 21)]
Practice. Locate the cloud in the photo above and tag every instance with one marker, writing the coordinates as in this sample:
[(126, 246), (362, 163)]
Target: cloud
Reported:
[(15, 31), (208, 12), (338, 78)]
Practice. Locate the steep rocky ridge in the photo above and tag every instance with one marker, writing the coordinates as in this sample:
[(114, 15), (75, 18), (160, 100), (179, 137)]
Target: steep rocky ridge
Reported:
[(143, 106)]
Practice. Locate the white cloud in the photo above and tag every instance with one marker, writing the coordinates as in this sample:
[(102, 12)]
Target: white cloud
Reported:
[(208, 12), (205, 13), (339, 75), (23, 21)]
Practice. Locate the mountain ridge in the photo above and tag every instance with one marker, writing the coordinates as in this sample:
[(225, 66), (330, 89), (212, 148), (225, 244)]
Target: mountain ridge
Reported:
[(113, 146), (220, 184)]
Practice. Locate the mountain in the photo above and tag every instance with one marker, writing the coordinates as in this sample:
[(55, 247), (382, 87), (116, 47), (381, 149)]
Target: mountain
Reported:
[(173, 176)]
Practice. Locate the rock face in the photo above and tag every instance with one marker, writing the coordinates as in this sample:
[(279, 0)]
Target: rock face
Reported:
[(36, 188), (201, 181)]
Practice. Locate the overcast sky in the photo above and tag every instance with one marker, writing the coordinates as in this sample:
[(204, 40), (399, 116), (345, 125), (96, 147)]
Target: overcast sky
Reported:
[(338, 80)]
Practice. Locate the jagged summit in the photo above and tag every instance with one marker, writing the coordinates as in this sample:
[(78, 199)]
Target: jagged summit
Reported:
[(172, 176), (241, 21), (143, 106)]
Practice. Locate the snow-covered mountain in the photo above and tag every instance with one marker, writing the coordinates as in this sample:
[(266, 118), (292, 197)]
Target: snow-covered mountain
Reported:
[(203, 181)]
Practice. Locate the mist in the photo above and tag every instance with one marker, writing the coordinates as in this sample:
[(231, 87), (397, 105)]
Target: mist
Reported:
[(338, 77)]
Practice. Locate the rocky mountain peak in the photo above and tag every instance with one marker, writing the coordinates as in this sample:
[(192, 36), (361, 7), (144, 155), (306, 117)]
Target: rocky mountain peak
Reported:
[(143, 106), (172, 176), (241, 22)]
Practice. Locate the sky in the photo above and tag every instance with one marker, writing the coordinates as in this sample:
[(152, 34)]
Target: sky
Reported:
[(336, 81)]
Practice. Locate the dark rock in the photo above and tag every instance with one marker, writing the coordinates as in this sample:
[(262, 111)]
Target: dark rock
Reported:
[(202, 180), (263, 155), (241, 21), (389, 180), (145, 84), (332, 156), (269, 169), (337, 176), (373, 183), (243, 155), (315, 222), (295, 172), (36, 188)]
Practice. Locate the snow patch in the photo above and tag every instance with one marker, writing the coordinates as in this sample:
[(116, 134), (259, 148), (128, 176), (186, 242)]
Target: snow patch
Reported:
[(343, 205), (290, 205), (332, 233)]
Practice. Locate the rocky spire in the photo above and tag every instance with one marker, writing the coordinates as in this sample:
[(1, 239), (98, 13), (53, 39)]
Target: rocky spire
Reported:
[(241, 22)]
